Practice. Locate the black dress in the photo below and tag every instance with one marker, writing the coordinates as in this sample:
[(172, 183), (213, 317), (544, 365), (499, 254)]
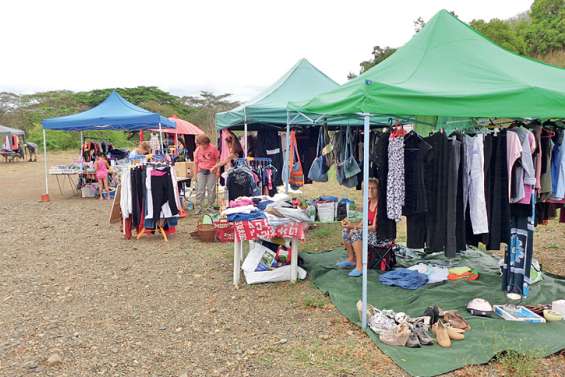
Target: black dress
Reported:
[(416, 153), (386, 228)]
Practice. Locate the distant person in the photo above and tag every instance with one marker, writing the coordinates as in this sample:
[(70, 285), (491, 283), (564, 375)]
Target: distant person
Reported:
[(102, 167), (140, 152), (235, 151), (31, 151), (206, 157)]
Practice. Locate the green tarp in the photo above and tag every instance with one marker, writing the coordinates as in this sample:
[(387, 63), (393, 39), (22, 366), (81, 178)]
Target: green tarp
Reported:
[(302, 82), (487, 337), (448, 69)]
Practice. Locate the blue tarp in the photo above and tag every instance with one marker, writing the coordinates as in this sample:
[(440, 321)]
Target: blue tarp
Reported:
[(114, 113)]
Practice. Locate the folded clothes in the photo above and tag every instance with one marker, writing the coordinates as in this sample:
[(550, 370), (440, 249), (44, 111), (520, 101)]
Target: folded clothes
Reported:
[(459, 270), (240, 202), (242, 209), (434, 273), (404, 278), (246, 216)]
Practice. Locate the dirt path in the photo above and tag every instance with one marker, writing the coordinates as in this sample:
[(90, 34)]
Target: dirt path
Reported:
[(71, 285)]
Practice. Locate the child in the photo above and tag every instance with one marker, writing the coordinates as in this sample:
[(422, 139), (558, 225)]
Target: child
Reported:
[(101, 165)]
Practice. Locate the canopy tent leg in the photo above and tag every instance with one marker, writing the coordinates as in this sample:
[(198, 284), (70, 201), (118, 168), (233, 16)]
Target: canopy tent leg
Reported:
[(161, 139), (45, 196), (244, 132), (286, 165), (366, 130), (81, 152)]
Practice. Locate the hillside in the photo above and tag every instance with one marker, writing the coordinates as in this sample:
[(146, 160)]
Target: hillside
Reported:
[(26, 111)]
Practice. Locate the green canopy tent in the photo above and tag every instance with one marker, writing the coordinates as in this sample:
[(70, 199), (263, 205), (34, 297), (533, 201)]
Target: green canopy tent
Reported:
[(447, 69), (301, 82), (269, 108)]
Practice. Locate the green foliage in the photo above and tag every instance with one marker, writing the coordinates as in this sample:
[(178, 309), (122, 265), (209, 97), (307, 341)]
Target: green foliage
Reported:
[(205, 108), (32, 109), (539, 33), (502, 33), (546, 32), (379, 54), (315, 301)]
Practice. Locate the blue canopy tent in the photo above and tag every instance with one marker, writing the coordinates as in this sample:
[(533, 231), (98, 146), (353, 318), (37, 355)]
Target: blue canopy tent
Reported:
[(114, 113)]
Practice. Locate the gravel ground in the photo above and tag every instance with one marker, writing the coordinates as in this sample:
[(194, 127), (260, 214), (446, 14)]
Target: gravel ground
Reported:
[(76, 299)]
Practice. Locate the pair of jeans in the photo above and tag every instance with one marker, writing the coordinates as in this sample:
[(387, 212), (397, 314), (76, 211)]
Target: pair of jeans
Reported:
[(205, 188)]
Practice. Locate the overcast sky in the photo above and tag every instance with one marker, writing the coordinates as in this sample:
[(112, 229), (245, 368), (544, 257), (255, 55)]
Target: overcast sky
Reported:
[(184, 46)]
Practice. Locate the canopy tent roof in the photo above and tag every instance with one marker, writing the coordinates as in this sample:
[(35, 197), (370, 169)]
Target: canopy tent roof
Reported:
[(11, 131), (302, 82), (184, 127), (449, 69), (113, 113)]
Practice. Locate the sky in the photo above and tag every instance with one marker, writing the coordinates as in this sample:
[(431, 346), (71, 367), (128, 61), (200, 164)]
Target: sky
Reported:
[(185, 46)]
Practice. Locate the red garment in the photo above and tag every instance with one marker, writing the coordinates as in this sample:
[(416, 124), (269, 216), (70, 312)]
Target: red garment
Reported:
[(372, 214)]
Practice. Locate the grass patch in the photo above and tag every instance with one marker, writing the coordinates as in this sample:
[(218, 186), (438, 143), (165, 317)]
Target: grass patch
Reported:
[(315, 301), (519, 364), (343, 359), (552, 246)]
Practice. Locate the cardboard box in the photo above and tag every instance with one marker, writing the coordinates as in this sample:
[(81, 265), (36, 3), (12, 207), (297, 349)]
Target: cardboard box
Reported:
[(184, 169)]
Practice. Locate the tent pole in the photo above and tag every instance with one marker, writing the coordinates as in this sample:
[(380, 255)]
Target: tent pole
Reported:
[(161, 139), (45, 197), (245, 132), (286, 165), (81, 152), (366, 130)]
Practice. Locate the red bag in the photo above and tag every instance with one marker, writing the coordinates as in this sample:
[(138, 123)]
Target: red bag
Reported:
[(296, 173)]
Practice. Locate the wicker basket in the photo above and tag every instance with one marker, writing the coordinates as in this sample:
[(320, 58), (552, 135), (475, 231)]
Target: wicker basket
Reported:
[(206, 232)]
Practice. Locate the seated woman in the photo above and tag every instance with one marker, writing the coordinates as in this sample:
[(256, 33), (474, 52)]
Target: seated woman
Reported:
[(353, 233)]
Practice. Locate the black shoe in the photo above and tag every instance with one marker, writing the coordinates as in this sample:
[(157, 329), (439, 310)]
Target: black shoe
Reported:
[(433, 313), (413, 341)]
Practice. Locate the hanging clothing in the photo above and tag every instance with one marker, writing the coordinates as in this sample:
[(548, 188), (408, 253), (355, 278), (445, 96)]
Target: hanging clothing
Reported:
[(499, 213), (436, 185), (396, 187), (558, 168), (416, 154), (386, 228), (269, 145), (476, 183), (523, 174), (454, 152), (518, 255), (546, 177)]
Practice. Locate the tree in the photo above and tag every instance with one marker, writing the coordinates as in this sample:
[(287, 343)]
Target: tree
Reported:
[(379, 54), (206, 106), (547, 30), (419, 24), (502, 33)]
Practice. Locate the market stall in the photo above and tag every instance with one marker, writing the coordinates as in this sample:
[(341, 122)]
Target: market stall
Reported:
[(114, 113), (449, 70), (187, 131), (11, 144)]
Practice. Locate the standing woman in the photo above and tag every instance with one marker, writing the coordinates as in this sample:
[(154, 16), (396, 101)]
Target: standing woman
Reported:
[(353, 233), (206, 157), (235, 151), (101, 165)]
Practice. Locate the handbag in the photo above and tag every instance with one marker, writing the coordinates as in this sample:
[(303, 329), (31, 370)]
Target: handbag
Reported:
[(319, 170), (350, 166), (296, 178)]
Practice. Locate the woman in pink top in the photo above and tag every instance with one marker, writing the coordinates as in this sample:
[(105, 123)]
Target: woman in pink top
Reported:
[(101, 166), (206, 157)]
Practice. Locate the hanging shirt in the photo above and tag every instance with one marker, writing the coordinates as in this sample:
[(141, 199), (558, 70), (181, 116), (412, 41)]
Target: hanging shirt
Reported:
[(514, 151), (476, 183), (558, 171), (524, 175), (395, 188)]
